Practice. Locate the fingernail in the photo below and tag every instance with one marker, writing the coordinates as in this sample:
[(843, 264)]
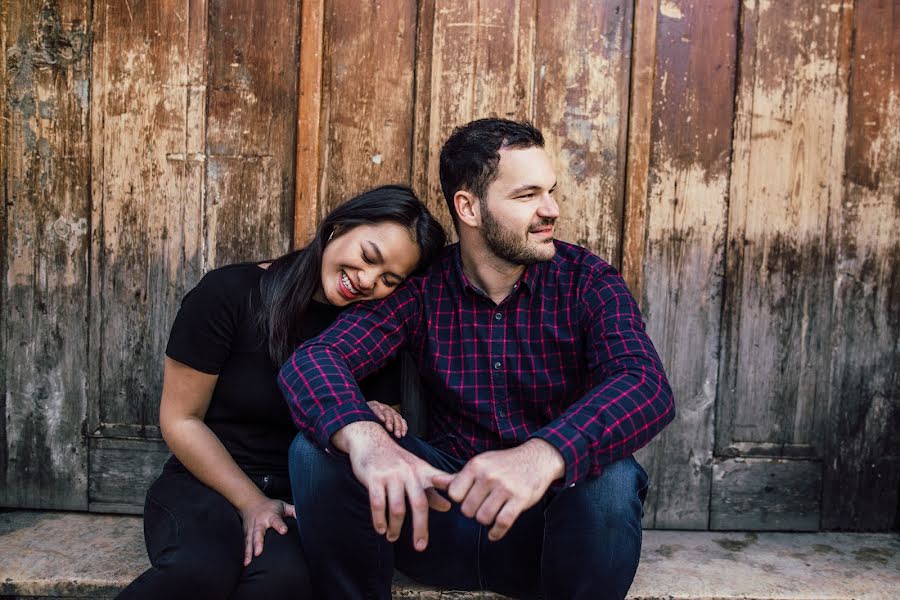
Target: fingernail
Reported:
[(420, 544)]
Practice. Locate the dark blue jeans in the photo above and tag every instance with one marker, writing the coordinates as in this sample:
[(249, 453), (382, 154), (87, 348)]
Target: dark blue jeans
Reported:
[(578, 542)]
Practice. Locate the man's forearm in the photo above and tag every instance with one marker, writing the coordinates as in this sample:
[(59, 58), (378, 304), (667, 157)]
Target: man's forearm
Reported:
[(359, 434)]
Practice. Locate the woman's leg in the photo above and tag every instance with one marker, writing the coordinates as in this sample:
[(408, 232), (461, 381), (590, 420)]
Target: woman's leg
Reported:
[(280, 571), (194, 539)]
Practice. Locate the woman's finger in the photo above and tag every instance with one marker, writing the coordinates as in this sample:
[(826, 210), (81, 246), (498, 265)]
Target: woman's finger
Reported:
[(289, 510), (278, 525), (258, 535), (248, 546)]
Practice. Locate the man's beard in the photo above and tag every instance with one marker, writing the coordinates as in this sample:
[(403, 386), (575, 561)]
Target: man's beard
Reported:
[(505, 244)]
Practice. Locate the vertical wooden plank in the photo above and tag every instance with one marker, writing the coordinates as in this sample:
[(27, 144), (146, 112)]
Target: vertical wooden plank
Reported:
[(368, 111), (482, 65), (862, 469), (4, 227), (788, 157), (690, 144), (251, 126), (147, 183), (583, 62), (637, 167), (46, 160), (309, 108)]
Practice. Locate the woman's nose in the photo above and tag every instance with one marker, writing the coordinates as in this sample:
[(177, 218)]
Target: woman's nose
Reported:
[(366, 280)]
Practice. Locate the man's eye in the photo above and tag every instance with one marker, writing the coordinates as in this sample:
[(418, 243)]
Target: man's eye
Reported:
[(390, 283)]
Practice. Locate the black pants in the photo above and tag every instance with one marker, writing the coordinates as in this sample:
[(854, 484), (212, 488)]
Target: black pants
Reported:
[(195, 540)]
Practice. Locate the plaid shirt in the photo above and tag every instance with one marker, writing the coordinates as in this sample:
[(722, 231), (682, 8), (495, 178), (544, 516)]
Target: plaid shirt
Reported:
[(563, 358)]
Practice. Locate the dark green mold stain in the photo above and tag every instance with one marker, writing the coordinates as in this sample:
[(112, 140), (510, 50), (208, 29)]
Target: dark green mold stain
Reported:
[(737, 545), (876, 555), (669, 550), (825, 549)]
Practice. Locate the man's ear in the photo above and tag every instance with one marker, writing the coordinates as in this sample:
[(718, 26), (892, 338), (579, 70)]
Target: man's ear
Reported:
[(467, 208)]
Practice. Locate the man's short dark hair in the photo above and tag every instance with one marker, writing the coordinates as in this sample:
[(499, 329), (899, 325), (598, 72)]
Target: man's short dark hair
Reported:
[(470, 156)]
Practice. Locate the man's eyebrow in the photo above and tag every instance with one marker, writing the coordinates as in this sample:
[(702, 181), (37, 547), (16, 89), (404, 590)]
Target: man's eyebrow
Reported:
[(376, 250), (528, 187)]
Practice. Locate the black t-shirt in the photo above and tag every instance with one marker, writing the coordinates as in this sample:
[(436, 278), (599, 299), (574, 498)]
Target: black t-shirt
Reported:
[(216, 331)]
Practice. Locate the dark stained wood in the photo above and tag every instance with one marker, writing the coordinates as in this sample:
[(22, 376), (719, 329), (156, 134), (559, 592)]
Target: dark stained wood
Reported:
[(685, 215), (637, 168), (148, 161), (762, 494), (785, 189), (862, 473), (421, 149), (369, 72), (482, 65), (582, 63), (46, 164), (251, 126), (122, 471), (309, 111)]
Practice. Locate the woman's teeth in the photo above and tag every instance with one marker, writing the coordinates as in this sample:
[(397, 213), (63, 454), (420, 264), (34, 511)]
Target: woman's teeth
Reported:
[(347, 284)]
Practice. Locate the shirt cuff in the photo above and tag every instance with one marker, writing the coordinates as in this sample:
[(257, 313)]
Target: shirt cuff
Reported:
[(335, 419), (572, 445)]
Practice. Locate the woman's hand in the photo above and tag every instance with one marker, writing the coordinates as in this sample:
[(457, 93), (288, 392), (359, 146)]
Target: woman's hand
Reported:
[(260, 516), (391, 419)]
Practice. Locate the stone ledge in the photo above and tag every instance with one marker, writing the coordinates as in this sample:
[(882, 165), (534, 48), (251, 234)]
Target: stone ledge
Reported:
[(78, 555)]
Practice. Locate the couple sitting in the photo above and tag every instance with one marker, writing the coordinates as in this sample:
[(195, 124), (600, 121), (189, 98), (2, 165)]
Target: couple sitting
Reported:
[(542, 383)]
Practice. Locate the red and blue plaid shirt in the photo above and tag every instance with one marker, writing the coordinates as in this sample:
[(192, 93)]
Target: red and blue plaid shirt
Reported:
[(564, 358)]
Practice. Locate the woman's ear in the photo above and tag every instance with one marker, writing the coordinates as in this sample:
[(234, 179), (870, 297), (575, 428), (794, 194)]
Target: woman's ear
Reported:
[(467, 208)]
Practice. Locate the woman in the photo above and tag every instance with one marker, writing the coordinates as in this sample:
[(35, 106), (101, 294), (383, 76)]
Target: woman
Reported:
[(207, 518)]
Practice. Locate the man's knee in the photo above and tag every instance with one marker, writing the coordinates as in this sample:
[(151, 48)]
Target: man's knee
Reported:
[(612, 499), (317, 472)]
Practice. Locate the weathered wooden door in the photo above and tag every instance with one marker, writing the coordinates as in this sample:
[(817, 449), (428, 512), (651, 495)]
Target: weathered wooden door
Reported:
[(736, 159)]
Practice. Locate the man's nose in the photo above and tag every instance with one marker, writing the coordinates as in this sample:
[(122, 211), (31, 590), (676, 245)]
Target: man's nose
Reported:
[(549, 209)]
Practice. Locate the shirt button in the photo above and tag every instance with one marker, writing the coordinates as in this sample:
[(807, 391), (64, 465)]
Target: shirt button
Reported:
[(496, 365), (499, 412), (498, 316)]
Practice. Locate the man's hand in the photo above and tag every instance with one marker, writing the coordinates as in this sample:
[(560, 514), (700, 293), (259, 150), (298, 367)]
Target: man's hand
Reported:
[(496, 487), (391, 475)]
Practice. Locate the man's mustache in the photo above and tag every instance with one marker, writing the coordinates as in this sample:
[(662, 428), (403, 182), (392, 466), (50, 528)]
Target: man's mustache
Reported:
[(543, 224)]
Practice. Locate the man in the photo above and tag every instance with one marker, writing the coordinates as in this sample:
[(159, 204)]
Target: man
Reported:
[(542, 384)]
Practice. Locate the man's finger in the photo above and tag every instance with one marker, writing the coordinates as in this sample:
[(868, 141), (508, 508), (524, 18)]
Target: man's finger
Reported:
[(378, 504), (473, 500), (396, 500), (418, 503), (437, 501), (487, 514), (505, 519), (461, 484), (442, 481)]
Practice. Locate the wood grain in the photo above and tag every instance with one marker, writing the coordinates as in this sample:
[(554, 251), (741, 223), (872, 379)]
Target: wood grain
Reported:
[(251, 126), (686, 207), (482, 65), (582, 63), (309, 109), (147, 183), (368, 116), (765, 495), (122, 471), (862, 474), (788, 156), (46, 163)]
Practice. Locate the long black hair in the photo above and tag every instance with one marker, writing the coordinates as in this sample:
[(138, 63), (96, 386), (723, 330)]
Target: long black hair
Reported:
[(288, 285)]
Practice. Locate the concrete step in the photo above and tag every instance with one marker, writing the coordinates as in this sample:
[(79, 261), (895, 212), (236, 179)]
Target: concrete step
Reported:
[(78, 555)]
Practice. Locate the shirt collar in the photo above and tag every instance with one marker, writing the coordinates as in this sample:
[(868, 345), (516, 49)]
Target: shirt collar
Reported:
[(528, 281)]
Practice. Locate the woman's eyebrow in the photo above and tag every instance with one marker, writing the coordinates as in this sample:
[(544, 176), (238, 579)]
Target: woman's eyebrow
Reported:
[(376, 250)]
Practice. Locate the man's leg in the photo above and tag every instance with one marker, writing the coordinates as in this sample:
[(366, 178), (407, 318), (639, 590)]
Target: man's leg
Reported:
[(592, 535), (346, 557)]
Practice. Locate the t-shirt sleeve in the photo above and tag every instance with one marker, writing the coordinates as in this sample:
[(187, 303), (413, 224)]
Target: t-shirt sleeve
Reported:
[(204, 327)]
